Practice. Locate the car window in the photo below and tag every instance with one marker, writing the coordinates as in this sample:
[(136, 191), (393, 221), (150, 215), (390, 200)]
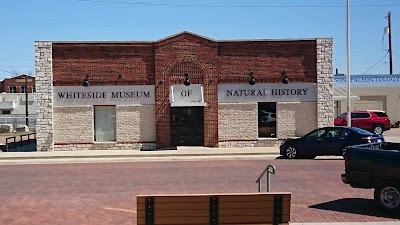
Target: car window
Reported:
[(342, 115), (360, 115), (360, 131), (335, 133), (316, 133), (345, 132), (363, 115), (381, 114)]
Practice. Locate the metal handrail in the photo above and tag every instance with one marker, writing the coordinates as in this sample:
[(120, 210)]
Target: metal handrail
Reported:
[(21, 142), (270, 169)]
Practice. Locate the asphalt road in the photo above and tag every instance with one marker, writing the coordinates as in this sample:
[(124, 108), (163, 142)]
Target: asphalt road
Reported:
[(105, 193)]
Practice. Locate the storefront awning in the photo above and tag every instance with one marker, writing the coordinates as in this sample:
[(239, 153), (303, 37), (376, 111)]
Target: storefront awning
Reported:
[(340, 94), (187, 96)]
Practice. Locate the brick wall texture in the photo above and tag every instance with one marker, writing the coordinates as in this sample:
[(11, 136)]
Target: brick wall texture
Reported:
[(18, 82), (161, 63)]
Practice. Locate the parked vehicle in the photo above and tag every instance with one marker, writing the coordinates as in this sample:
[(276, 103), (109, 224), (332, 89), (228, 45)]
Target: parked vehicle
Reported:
[(376, 121), (327, 141), (375, 166)]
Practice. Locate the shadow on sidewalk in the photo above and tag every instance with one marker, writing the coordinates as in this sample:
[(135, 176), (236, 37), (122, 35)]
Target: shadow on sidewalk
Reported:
[(356, 206)]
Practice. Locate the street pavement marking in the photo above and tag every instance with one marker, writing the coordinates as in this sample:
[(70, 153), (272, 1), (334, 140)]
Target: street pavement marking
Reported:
[(302, 206), (122, 210)]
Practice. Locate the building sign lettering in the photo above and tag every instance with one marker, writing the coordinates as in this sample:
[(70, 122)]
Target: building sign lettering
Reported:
[(182, 95), (267, 92), (186, 93), (368, 80), (104, 95), (116, 94)]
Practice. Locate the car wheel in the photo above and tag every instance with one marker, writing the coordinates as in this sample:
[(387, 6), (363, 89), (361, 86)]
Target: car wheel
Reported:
[(291, 152), (343, 151), (387, 196), (377, 129)]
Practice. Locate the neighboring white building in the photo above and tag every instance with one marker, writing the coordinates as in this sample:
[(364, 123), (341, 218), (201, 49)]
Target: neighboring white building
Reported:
[(13, 109), (369, 92)]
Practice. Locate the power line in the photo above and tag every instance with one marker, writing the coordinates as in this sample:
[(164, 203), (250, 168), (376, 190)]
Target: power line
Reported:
[(232, 6), (6, 71), (17, 66), (396, 54), (16, 59), (355, 52), (376, 63)]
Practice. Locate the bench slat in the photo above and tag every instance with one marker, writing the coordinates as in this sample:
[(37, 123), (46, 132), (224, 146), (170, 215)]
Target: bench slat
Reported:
[(221, 212), (251, 198), (177, 206), (214, 194), (222, 198), (141, 200), (205, 205), (176, 213), (251, 219), (251, 212), (249, 205), (221, 220), (177, 220)]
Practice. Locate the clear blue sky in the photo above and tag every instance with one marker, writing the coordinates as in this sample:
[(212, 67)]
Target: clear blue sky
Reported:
[(25, 21)]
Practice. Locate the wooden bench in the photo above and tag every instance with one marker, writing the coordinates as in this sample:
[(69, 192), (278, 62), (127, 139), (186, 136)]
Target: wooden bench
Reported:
[(202, 209)]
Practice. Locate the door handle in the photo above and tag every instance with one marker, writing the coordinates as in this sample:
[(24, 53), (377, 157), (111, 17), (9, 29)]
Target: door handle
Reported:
[(342, 138), (319, 139)]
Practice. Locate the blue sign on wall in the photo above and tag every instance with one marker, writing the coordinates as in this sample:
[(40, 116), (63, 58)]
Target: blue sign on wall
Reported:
[(368, 80)]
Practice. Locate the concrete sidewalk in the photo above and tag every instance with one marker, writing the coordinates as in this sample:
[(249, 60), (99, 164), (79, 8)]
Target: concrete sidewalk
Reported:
[(181, 153)]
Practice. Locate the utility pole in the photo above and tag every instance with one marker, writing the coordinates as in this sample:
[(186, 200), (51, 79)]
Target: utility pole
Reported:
[(26, 101), (348, 80), (390, 43)]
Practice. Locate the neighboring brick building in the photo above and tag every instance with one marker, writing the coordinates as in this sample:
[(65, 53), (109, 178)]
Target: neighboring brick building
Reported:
[(131, 95), (17, 84), (13, 104)]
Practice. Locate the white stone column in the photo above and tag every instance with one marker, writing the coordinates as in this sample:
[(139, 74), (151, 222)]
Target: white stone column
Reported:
[(325, 103), (44, 96)]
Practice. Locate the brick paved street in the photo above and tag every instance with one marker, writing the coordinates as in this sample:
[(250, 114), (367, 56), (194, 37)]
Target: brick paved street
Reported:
[(105, 193)]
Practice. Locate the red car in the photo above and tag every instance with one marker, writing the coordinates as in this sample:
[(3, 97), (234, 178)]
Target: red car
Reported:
[(375, 121)]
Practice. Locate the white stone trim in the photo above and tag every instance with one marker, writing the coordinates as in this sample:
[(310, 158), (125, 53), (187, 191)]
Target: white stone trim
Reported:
[(44, 96), (325, 103)]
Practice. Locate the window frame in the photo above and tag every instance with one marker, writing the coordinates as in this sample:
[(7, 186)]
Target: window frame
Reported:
[(24, 89), (95, 137), (268, 111), (12, 87)]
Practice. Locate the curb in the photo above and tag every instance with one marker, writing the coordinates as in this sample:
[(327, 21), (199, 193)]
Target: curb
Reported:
[(2, 158)]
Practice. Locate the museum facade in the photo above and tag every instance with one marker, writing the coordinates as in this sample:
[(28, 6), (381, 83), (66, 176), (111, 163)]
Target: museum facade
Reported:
[(183, 90)]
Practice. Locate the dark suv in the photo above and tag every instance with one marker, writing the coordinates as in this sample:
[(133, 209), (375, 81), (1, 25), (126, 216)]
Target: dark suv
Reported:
[(375, 121)]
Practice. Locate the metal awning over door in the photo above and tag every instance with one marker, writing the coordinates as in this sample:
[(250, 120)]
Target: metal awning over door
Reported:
[(340, 94)]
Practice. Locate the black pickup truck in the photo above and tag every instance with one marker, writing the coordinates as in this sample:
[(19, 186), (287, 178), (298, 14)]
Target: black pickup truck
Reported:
[(375, 166)]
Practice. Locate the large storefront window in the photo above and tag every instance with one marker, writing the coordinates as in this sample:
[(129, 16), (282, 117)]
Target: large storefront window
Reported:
[(104, 123), (267, 119)]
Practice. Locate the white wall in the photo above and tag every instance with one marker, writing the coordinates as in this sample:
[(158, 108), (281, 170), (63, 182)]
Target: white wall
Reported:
[(237, 121)]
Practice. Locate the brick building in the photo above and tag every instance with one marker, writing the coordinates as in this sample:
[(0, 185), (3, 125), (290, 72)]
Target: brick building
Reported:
[(182, 90), (17, 84)]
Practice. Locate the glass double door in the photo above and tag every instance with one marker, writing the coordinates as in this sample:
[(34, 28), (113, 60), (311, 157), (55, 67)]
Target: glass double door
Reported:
[(187, 126)]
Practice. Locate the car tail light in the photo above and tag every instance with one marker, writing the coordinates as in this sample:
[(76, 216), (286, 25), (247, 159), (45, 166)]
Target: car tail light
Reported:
[(368, 139)]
